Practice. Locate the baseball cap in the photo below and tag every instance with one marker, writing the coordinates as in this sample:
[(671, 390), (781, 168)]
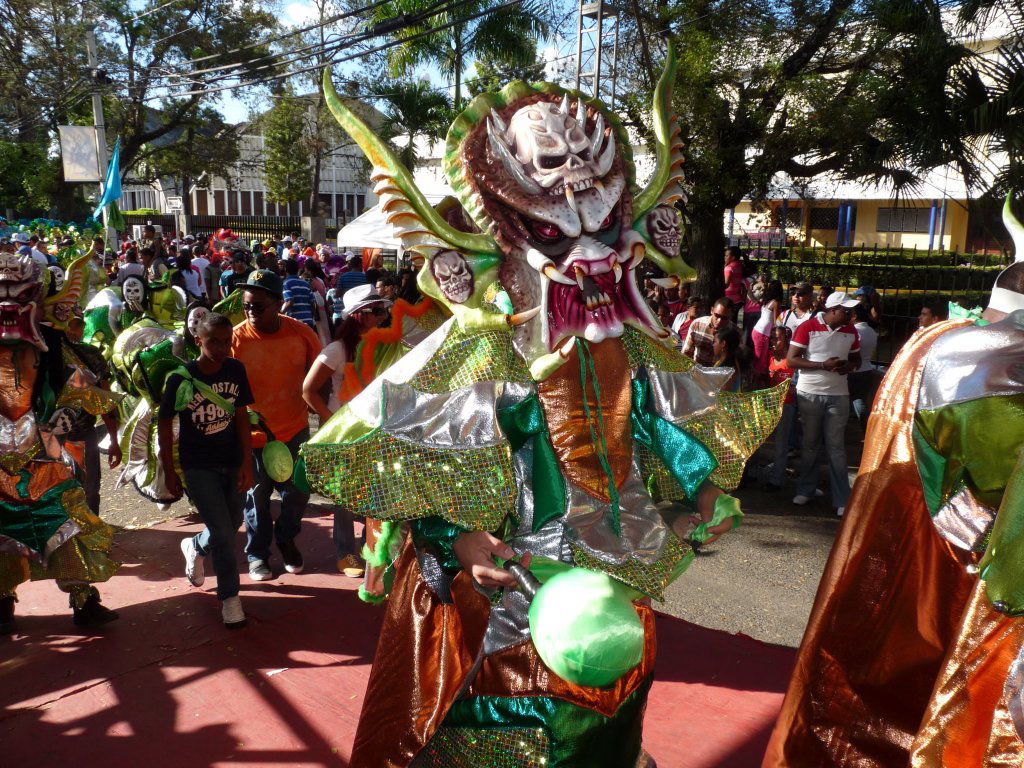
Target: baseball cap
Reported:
[(20, 237), (189, 238), (265, 280), (840, 299), (24, 250), (864, 290)]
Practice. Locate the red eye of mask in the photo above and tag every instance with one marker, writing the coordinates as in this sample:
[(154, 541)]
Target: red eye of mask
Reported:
[(548, 231)]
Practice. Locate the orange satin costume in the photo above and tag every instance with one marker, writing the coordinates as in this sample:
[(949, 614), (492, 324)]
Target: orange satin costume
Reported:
[(888, 608)]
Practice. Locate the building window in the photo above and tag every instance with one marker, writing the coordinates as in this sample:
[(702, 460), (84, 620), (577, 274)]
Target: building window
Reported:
[(257, 203), (824, 218), (218, 202), (202, 207), (904, 220), (794, 217), (232, 202), (246, 203)]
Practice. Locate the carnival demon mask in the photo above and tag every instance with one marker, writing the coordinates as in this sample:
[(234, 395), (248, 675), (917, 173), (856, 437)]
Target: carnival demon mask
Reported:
[(546, 177), (21, 284)]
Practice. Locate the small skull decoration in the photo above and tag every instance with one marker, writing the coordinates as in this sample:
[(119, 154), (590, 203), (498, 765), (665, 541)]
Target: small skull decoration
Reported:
[(133, 290), (56, 280), (453, 276), (194, 316), (665, 229), (62, 421)]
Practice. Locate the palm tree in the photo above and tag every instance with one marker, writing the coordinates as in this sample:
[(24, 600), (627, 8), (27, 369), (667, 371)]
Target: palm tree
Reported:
[(507, 35), (411, 109)]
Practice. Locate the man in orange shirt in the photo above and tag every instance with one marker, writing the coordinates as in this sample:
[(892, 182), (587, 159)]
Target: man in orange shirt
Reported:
[(277, 351)]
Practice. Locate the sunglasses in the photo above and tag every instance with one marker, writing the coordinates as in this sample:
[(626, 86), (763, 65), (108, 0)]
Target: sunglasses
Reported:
[(255, 309)]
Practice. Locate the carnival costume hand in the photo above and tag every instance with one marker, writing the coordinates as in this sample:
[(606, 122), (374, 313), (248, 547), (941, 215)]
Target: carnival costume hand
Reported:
[(717, 513), (476, 551)]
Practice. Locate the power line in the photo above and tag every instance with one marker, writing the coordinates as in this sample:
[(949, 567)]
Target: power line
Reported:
[(325, 22), (205, 23), (286, 57), (153, 10), (385, 46)]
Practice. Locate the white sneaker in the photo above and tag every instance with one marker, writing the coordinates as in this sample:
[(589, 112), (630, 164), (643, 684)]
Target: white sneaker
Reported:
[(259, 571), (840, 511), (193, 563), (800, 499), (232, 613)]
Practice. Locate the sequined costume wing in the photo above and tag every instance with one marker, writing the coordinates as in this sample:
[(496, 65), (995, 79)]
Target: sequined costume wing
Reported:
[(732, 425), (422, 439)]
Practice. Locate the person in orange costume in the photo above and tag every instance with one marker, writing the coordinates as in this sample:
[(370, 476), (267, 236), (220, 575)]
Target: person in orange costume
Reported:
[(907, 659)]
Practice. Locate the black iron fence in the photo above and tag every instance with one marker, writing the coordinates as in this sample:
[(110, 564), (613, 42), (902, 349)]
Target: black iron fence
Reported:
[(246, 227), (904, 278), (164, 220)]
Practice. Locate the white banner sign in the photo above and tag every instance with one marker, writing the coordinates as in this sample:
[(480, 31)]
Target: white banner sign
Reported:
[(78, 151)]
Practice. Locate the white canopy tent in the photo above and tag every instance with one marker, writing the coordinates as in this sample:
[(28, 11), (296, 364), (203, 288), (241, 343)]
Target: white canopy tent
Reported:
[(370, 230)]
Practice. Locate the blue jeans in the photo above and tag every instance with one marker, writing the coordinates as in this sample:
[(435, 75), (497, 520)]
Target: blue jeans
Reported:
[(824, 416), (345, 533), (782, 433), (863, 388), (214, 491), (259, 525)]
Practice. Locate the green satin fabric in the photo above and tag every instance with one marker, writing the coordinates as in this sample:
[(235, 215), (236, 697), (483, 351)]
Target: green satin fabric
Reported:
[(438, 535), (686, 457), (975, 442), (1001, 565), (34, 522), (520, 423), (576, 736)]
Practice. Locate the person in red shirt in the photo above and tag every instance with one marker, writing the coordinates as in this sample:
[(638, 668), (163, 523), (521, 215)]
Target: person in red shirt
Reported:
[(779, 370), (735, 287), (276, 351)]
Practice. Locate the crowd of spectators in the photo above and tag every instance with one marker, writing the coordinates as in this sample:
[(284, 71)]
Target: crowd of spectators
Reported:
[(824, 340)]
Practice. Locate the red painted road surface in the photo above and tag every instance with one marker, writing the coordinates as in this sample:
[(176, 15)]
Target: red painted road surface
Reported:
[(167, 685)]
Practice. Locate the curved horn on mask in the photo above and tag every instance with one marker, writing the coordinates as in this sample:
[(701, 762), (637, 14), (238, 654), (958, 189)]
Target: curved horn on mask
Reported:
[(399, 184), (664, 184), (515, 169), (1014, 227)]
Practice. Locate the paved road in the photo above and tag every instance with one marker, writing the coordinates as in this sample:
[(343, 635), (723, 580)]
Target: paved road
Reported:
[(759, 580)]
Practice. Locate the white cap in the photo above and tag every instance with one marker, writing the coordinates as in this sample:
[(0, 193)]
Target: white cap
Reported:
[(840, 299), (361, 297), (20, 237)]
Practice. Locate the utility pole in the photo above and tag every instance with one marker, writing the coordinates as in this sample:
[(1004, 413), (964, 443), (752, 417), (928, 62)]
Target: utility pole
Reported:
[(101, 130)]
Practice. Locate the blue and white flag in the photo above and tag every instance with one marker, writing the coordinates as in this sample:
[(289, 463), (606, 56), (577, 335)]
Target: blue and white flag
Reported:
[(112, 187)]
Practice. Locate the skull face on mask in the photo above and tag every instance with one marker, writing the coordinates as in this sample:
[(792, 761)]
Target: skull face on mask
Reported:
[(665, 229), (192, 322), (56, 279), (453, 276), (133, 290)]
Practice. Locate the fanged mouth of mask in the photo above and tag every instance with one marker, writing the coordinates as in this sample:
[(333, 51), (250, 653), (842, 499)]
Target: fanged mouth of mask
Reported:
[(16, 323), (594, 303)]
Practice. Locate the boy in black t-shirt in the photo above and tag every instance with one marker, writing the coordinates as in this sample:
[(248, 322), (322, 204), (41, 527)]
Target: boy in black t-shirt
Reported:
[(214, 451)]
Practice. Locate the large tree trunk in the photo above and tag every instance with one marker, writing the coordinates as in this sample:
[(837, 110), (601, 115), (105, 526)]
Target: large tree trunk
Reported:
[(707, 252)]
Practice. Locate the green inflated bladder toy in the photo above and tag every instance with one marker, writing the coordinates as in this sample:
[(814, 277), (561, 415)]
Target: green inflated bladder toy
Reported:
[(277, 460), (583, 624)]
